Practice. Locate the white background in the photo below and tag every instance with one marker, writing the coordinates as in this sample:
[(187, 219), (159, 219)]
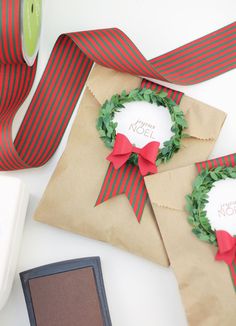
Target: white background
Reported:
[(139, 293)]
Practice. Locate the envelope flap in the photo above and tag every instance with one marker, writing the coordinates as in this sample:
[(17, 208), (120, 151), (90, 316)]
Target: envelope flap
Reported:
[(104, 82), (163, 188), (204, 121)]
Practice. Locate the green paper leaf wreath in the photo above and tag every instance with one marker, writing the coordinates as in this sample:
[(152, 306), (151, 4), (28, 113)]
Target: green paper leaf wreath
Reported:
[(197, 200), (107, 127)]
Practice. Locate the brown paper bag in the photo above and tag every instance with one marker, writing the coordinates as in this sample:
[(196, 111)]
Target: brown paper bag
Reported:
[(69, 199), (206, 287)]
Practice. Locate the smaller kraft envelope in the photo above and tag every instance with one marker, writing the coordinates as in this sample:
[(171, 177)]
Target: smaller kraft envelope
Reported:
[(185, 200), (70, 197)]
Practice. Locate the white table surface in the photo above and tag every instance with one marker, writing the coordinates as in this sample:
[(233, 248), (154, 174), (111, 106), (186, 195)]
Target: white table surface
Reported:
[(139, 293)]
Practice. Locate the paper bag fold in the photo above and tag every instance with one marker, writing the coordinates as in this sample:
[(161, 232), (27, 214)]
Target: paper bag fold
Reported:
[(205, 285), (69, 200)]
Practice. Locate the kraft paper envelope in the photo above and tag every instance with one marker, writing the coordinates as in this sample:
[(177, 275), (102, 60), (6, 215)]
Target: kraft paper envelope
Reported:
[(69, 200), (206, 287)]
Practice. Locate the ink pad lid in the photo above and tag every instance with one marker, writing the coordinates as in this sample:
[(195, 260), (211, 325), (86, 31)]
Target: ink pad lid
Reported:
[(67, 293)]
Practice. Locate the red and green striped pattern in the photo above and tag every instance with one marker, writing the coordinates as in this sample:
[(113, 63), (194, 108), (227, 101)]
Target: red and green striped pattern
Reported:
[(171, 93), (67, 70), (200, 60), (228, 160), (127, 180)]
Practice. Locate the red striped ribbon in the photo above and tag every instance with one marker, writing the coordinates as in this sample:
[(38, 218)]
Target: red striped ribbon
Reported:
[(173, 94), (127, 180), (227, 160)]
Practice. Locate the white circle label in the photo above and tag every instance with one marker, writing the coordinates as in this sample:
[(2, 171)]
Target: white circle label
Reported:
[(143, 122), (221, 209)]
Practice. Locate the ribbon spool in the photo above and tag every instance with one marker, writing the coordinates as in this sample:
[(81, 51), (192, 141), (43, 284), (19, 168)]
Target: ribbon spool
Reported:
[(31, 17), (67, 70), (20, 33)]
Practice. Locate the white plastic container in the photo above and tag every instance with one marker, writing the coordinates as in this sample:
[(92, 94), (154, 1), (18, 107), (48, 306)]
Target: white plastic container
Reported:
[(13, 206)]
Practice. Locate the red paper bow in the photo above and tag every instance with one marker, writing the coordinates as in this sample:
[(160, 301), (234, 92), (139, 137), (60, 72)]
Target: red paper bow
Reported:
[(146, 155), (226, 247)]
